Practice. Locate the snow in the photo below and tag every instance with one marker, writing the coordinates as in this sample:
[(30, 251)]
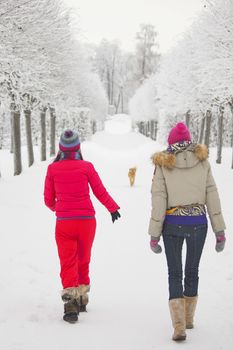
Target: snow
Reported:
[(118, 124), (128, 300)]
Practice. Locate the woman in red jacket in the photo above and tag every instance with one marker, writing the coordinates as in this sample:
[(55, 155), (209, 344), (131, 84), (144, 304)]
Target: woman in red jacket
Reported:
[(66, 192)]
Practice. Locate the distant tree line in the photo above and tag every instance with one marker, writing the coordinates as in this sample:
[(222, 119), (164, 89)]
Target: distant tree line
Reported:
[(122, 73)]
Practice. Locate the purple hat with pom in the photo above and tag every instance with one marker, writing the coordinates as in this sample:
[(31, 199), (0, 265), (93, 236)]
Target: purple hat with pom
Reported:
[(69, 141), (179, 133)]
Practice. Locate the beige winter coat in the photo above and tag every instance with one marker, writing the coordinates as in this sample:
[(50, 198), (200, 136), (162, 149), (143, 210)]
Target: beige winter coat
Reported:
[(182, 179)]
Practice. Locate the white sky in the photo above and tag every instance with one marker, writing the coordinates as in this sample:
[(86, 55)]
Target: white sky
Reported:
[(120, 19)]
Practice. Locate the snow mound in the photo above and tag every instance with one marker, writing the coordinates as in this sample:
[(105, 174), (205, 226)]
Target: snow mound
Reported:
[(118, 137), (119, 142), (118, 124)]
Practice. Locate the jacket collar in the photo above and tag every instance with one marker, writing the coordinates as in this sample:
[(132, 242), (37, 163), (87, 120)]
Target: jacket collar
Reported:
[(168, 158)]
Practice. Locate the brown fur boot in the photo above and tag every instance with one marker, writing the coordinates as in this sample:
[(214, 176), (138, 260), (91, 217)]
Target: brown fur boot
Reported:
[(83, 290), (71, 311), (71, 293), (177, 310), (71, 296), (190, 307)]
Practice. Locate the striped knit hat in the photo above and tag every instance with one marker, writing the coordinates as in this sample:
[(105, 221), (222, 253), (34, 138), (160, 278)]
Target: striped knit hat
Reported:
[(69, 141)]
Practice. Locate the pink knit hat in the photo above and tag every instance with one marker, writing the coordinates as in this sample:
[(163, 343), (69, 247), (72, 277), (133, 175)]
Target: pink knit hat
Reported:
[(179, 133)]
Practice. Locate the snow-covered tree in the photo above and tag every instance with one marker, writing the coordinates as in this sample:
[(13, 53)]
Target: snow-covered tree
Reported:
[(117, 71), (43, 66), (107, 61), (146, 51), (143, 108), (193, 82)]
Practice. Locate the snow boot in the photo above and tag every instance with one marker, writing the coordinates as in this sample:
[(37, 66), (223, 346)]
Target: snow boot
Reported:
[(71, 311), (71, 293), (83, 300), (190, 307), (177, 311), (70, 296)]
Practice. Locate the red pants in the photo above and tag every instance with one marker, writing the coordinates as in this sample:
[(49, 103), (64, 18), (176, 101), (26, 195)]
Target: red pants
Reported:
[(74, 242)]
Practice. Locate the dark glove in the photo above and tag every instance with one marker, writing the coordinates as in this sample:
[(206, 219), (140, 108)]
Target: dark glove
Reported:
[(155, 246), (220, 241), (115, 215)]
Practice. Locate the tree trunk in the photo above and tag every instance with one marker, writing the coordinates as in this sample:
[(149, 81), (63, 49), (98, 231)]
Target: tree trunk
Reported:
[(232, 157), (232, 146), (141, 129), (153, 128), (3, 117), (143, 64), (1, 133), (118, 102), (52, 131), (109, 86), (28, 123), (231, 107), (201, 134), (94, 127), (43, 132), (15, 115), (12, 134), (207, 129), (112, 80), (156, 130), (122, 100), (187, 118), (148, 131), (220, 133), (112, 90)]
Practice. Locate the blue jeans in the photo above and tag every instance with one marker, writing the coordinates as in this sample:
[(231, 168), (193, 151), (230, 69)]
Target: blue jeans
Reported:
[(173, 237)]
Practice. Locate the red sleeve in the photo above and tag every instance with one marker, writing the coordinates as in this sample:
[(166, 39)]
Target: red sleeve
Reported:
[(49, 191), (100, 191)]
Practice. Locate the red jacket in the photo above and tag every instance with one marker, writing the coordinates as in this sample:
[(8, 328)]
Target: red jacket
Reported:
[(66, 189)]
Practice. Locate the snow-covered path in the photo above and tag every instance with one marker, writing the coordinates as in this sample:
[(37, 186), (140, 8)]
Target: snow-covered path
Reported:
[(128, 301)]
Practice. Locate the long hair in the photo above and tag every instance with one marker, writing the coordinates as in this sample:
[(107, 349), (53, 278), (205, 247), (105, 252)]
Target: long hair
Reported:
[(68, 155), (57, 158)]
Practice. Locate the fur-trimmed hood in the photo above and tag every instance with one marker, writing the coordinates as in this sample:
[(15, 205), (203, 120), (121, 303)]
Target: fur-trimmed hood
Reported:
[(183, 158)]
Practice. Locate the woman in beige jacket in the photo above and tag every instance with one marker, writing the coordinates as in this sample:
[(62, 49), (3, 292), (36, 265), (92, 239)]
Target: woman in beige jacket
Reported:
[(183, 187)]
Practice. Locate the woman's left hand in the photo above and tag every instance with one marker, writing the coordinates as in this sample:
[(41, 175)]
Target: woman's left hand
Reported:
[(155, 246)]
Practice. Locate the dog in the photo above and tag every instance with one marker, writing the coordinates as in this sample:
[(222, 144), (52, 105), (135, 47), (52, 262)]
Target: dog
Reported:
[(132, 175)]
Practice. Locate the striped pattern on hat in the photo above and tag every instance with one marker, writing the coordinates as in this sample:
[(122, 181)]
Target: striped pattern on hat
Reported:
[(69, 141)]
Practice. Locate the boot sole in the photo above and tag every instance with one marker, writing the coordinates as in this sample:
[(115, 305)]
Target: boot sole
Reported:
[(190, 326), (70, 321), (82, 308), (70, 318), (180, 338)]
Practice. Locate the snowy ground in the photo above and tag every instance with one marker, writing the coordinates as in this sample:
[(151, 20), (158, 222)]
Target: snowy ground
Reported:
[(128, 301)]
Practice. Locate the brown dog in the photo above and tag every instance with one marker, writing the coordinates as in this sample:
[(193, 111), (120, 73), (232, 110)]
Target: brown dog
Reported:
[(132, 175)]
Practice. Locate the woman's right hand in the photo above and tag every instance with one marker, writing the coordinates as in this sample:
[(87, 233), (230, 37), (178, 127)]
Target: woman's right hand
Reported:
[(220, 241), (115, 215)]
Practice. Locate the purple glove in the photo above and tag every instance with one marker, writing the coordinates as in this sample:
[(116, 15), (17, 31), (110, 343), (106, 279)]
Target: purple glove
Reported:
[(154, 245), (220, 241)]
